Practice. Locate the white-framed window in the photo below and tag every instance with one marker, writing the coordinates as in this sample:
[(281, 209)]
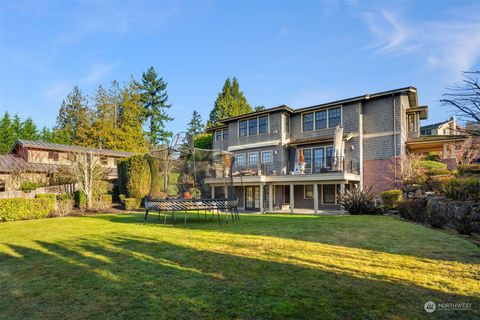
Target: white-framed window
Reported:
[(267, 157), (253, 126), (253, 158), (225, 134), (308, 191), (221, 134), (322, 119), (317, 158), (241, 160)]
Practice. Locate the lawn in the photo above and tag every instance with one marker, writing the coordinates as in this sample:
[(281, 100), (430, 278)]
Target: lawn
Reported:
[(112, 266)]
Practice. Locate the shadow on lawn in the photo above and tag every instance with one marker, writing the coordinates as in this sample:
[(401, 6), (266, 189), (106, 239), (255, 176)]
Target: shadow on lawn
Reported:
[(133, 278), (383, 234)]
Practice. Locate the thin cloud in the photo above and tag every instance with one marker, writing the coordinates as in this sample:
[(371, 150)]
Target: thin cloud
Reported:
[(451, 45), (98, 72), (57, 90)]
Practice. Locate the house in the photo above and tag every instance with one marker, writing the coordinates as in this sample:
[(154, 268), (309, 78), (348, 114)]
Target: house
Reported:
[(447, 128), (372, 130), (40, 161)]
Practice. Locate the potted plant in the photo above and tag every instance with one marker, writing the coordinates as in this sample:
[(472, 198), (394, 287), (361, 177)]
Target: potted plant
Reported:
[(301, 162)]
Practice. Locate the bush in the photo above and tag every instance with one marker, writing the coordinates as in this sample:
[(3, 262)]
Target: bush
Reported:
[(434, 167), (103, 202), (465, 169), (46, 196), (80, 200), (463, 189), (131, 203), (390, 198), (359, 201), (134, 177), (64, 206), (413, 209), (203, 141), (196, 193), (23, 209), (28, 186), (122, 197)]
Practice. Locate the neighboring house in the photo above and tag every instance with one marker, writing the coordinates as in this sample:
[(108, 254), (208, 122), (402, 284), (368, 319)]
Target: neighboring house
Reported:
[(376, 129), (39, 161), (445, 128)]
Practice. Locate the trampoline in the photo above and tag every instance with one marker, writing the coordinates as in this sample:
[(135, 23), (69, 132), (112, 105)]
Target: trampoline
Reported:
[(178, 174)]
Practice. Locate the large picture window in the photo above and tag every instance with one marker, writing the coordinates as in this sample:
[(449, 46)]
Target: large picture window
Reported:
[(308, 121), (334, 117), (242, 128), (252, 127), (253, 158), (262, 124), (320, 119)]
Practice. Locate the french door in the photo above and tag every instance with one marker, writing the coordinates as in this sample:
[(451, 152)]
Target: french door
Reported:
[(252, 198)]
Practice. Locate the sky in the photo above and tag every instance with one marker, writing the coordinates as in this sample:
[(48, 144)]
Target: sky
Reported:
[(282, 52)]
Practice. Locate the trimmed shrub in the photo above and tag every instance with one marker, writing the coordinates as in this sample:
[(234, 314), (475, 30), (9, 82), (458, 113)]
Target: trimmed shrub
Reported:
[(156, 183), (134, 177), (413, 209), (23, 209), (463, 189), (80, 200), (390, 198), (28, 186), (46, 196), (359, 201), (465, 169), (434, 167), (131, 203), (103, 202), (122, 197)]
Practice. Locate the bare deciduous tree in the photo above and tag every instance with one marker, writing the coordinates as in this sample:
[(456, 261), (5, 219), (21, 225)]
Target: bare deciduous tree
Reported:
[(469, 150), (465, 98), (410, 174)]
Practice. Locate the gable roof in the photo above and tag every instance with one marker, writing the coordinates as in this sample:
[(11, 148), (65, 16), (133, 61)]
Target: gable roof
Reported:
[(12, 163), (69, 148)]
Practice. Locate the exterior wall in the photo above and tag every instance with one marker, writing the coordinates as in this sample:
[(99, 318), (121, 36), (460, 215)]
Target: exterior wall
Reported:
[(221, 144), (379, 174), (41, 156), (279, 160), (274, 131), (13, 181)]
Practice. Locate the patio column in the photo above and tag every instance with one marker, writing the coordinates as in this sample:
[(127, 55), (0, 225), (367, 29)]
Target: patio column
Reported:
[(315, 198), (292, 200), (213, 192), (261, 199), (342, 191), (225, 192), (270, 197)]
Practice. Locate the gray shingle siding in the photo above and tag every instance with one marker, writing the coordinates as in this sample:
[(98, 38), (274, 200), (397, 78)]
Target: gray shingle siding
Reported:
[(378, 115)]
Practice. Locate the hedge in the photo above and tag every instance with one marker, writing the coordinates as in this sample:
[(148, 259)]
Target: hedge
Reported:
[(473, 168), (134, 177), (23, 209), (46, 196), (462, 189), (434, 167), (131, 203), (80, 199), (390, 198)]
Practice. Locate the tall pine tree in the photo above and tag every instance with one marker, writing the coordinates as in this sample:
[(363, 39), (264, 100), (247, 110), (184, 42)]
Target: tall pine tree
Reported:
[(29, 130), (195, 126), (74, 118), (230, 102), (7, 136), (154, 96)]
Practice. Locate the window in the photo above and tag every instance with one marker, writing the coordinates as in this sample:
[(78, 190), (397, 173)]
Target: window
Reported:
[(225, 134), (2, 185), (329, 193), (252, 127), (320, 120), (287, 123), (242, 125), (329, 157), (52, 155), (266, 156), (253, 158), (411, 122), (218, 135), (104, 160), (263, 124), (308, 121), (308, 191), (241, 161), (334, 117), (318, 159)]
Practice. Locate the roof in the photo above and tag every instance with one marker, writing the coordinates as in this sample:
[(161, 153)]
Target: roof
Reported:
[(69, 148), (12, 163), (436, 138), (435, 125), (411, 91)]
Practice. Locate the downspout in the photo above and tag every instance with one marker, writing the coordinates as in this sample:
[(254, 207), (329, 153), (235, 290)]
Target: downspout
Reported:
[(360, 133), (394, 139)]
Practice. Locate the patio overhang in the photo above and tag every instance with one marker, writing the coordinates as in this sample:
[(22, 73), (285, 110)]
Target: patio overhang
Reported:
[(432, 143)]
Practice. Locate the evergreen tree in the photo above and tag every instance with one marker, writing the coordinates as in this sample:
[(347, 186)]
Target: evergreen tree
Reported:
[(154, 96), (74, 118), (45, 135), (60, 136), (230, 102), (29, 130), (7, 136), (195, 126), (258, 108), (104, 126), (16, 127)]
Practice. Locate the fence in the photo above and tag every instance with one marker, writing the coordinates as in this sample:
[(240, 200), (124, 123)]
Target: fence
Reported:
[(64, 188)]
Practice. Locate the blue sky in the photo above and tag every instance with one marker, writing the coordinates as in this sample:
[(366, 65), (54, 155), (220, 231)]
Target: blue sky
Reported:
[(295, 53)]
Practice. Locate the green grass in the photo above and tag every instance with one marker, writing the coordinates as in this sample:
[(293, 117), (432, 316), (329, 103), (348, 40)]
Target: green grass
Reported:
[(265, 266)]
